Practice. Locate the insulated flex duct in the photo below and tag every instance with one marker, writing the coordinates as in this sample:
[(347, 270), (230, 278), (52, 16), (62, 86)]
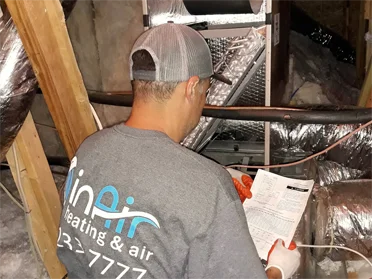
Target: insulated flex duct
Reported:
[(330, 172), (210, 7), (303, 235), (349, 160), (18, 83), (344, 218), (355, 153)]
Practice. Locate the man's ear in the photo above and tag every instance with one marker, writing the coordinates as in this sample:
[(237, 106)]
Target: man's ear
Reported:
[(192, 87)]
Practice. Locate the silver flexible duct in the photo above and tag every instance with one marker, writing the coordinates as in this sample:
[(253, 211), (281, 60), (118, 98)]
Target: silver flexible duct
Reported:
[(352, 158), (344, 217), (18, 83)]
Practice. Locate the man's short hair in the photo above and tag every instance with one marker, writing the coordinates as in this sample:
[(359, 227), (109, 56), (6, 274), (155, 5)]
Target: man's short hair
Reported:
[(144, 89)]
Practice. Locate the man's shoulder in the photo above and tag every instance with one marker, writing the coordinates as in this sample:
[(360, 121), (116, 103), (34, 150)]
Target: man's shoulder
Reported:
[(98, 139), (170, 157), (208, 165), (209, 171), (100, 135)]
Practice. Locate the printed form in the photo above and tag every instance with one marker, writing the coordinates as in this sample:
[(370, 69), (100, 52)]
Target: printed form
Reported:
[(275, 209)]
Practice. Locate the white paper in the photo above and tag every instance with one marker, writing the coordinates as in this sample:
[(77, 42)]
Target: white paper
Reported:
[(275, 209)]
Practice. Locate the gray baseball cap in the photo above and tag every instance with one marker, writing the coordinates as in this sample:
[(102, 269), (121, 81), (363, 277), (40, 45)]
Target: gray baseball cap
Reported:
[(179, 52)]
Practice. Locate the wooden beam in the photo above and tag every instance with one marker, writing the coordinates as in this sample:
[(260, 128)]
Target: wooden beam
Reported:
[(366, 92), (368, 10), (365, 97), (40, 194), (42, 29), (369, 44), (361, 45)]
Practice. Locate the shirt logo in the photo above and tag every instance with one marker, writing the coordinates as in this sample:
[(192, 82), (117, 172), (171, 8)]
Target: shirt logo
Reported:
[(95, 207)]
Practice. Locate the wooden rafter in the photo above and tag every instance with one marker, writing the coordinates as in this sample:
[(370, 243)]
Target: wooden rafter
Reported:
[(39, 192), (42, 29)]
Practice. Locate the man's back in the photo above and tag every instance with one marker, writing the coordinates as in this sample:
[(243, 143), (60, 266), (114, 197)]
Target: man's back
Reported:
[(138, 205)]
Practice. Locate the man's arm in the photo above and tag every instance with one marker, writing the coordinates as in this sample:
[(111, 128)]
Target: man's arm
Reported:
[(226, 250)]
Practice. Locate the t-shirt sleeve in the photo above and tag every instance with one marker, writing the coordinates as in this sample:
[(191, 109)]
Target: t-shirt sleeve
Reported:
[(226, 250)]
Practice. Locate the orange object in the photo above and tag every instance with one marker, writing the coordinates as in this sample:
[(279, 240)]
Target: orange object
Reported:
[(292, 246), (247, 181), (242, 183), (244, 191)]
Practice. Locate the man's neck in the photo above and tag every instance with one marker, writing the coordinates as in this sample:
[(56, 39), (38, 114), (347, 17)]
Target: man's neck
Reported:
[(149, 117)]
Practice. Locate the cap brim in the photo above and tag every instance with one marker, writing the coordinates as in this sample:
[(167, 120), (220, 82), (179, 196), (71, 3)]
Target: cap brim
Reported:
[(222, 78)]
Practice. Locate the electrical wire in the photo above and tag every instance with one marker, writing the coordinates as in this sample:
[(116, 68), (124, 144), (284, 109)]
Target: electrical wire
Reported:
[(336, 247), (10, 195), (96, 118), (344, 138)]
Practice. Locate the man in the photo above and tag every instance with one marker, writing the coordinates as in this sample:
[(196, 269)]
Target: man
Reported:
[(139, 205)]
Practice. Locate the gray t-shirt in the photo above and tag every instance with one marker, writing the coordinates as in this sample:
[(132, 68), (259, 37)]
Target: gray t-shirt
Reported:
[(138, 205)]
